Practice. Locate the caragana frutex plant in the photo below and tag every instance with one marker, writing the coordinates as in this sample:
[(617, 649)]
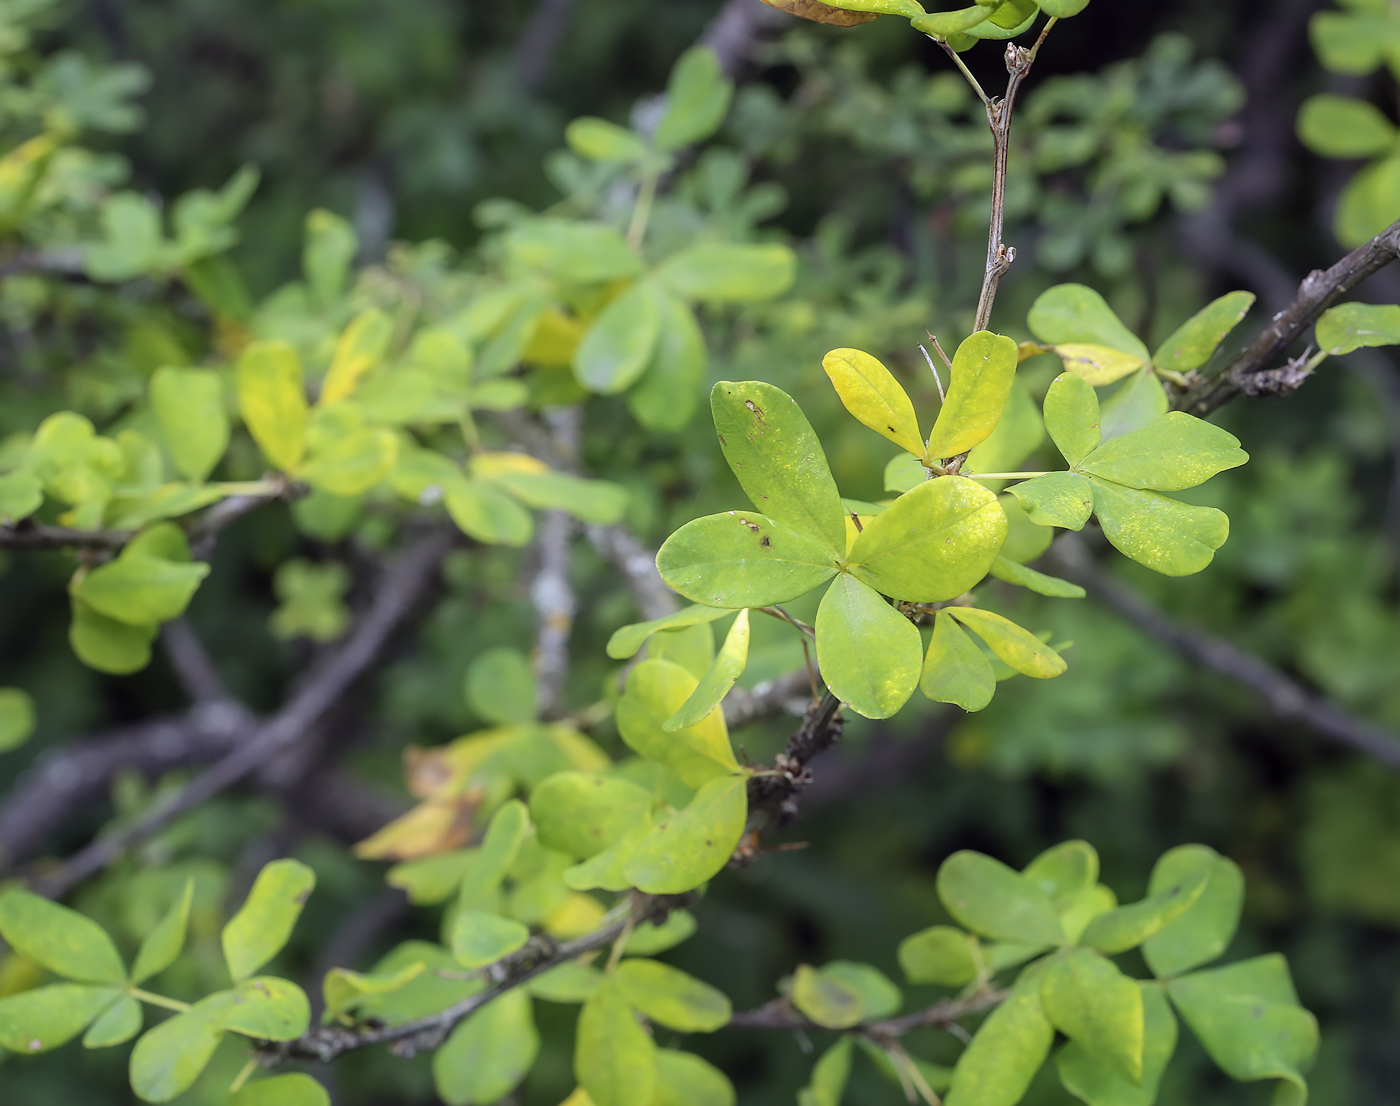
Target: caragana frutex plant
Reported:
[(560, 871)]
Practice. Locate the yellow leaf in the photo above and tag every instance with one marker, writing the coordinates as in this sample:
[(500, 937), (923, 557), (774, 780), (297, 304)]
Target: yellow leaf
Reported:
[(427, 829), (272, 401), (575, 916), (1098, 365), (360, 348), (554, 341), (487, 465), (874, 396), (984, 367)]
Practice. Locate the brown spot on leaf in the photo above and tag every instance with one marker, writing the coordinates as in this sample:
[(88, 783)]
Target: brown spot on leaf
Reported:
[(763, 541), (755, 527), (755, 408)]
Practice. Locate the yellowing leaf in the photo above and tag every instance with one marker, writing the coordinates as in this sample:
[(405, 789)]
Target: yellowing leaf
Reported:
[(955, 670), (874, 396), (693, 845), (983, 370), (360, 349), (1098, 365), (272, 401), (715, 684), (1023, 651), (656, 690)]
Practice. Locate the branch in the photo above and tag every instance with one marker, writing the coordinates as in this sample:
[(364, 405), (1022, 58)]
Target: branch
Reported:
[(1280, 694), (28, 534), (780, 1014), (770, 697), (550, 591), (540, 41), (190, 660), (536, 957), (1252, 370), (403, 586)]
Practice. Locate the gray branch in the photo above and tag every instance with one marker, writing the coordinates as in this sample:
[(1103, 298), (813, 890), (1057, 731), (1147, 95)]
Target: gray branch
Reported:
[(404, 585), (1285, 698)]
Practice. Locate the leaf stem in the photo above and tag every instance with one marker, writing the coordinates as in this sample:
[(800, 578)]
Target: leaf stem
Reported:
[(158, 1000), (641, 213), (1004, 475), (242, 1077)]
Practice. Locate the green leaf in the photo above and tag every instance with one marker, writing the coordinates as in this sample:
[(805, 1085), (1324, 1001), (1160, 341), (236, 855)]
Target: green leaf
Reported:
[(272, 400), (1349, 326), (905, 472), (1194, 341), (984, 367), (991, 899), (1098, 1084), (715, 684), (1062, 9), (190, 406), (938, 24), (1037, 582), (778, 460), (1341, 126), (108, 645), (693, 648), (352, 464), (1350, 42), (669, 390), (501, 686), (691, 846), (571, 982), (344, 990), (830, 1074), (1073, 313), (1098, 1007), (626, 641), (943, 955), (486, 514), (648, 939), (21, 494), (582, 813), (169, 1058), (743, 559), (489, 1053), (331, 245), (697, 98), (932, 543), (163, 944), (577, 253), (17, 718), (1018, 434), (1072, 417), (62, 940), (1173, 538), (1025, 541), (1064, 871), (1369, 203), (1205, 929), (877, 991), (726, 272), (139, 588), (683, 1079), (614, 1058), (656, 690), (1170, 454), (424, 993), (670, 997), (1097, 365), (1007, 1051), (608, 870), (479, 938), (830, 1002), (1129, 926), (618, 346), (361, 347), (599, 140), (1138, 401), (1023, 651), (121, 1021), (993, 27), (500, 846), (595, 501), (264, 922), (868, 653), (871, 393), (267, 1008), (1248, 1018), (955, 670), (296, 1089), (46, 1017)]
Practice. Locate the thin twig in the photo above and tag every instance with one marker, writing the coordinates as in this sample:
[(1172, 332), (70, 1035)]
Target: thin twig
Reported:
[(191, 663), (780, 1014), (403, 586), (29, 534)]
